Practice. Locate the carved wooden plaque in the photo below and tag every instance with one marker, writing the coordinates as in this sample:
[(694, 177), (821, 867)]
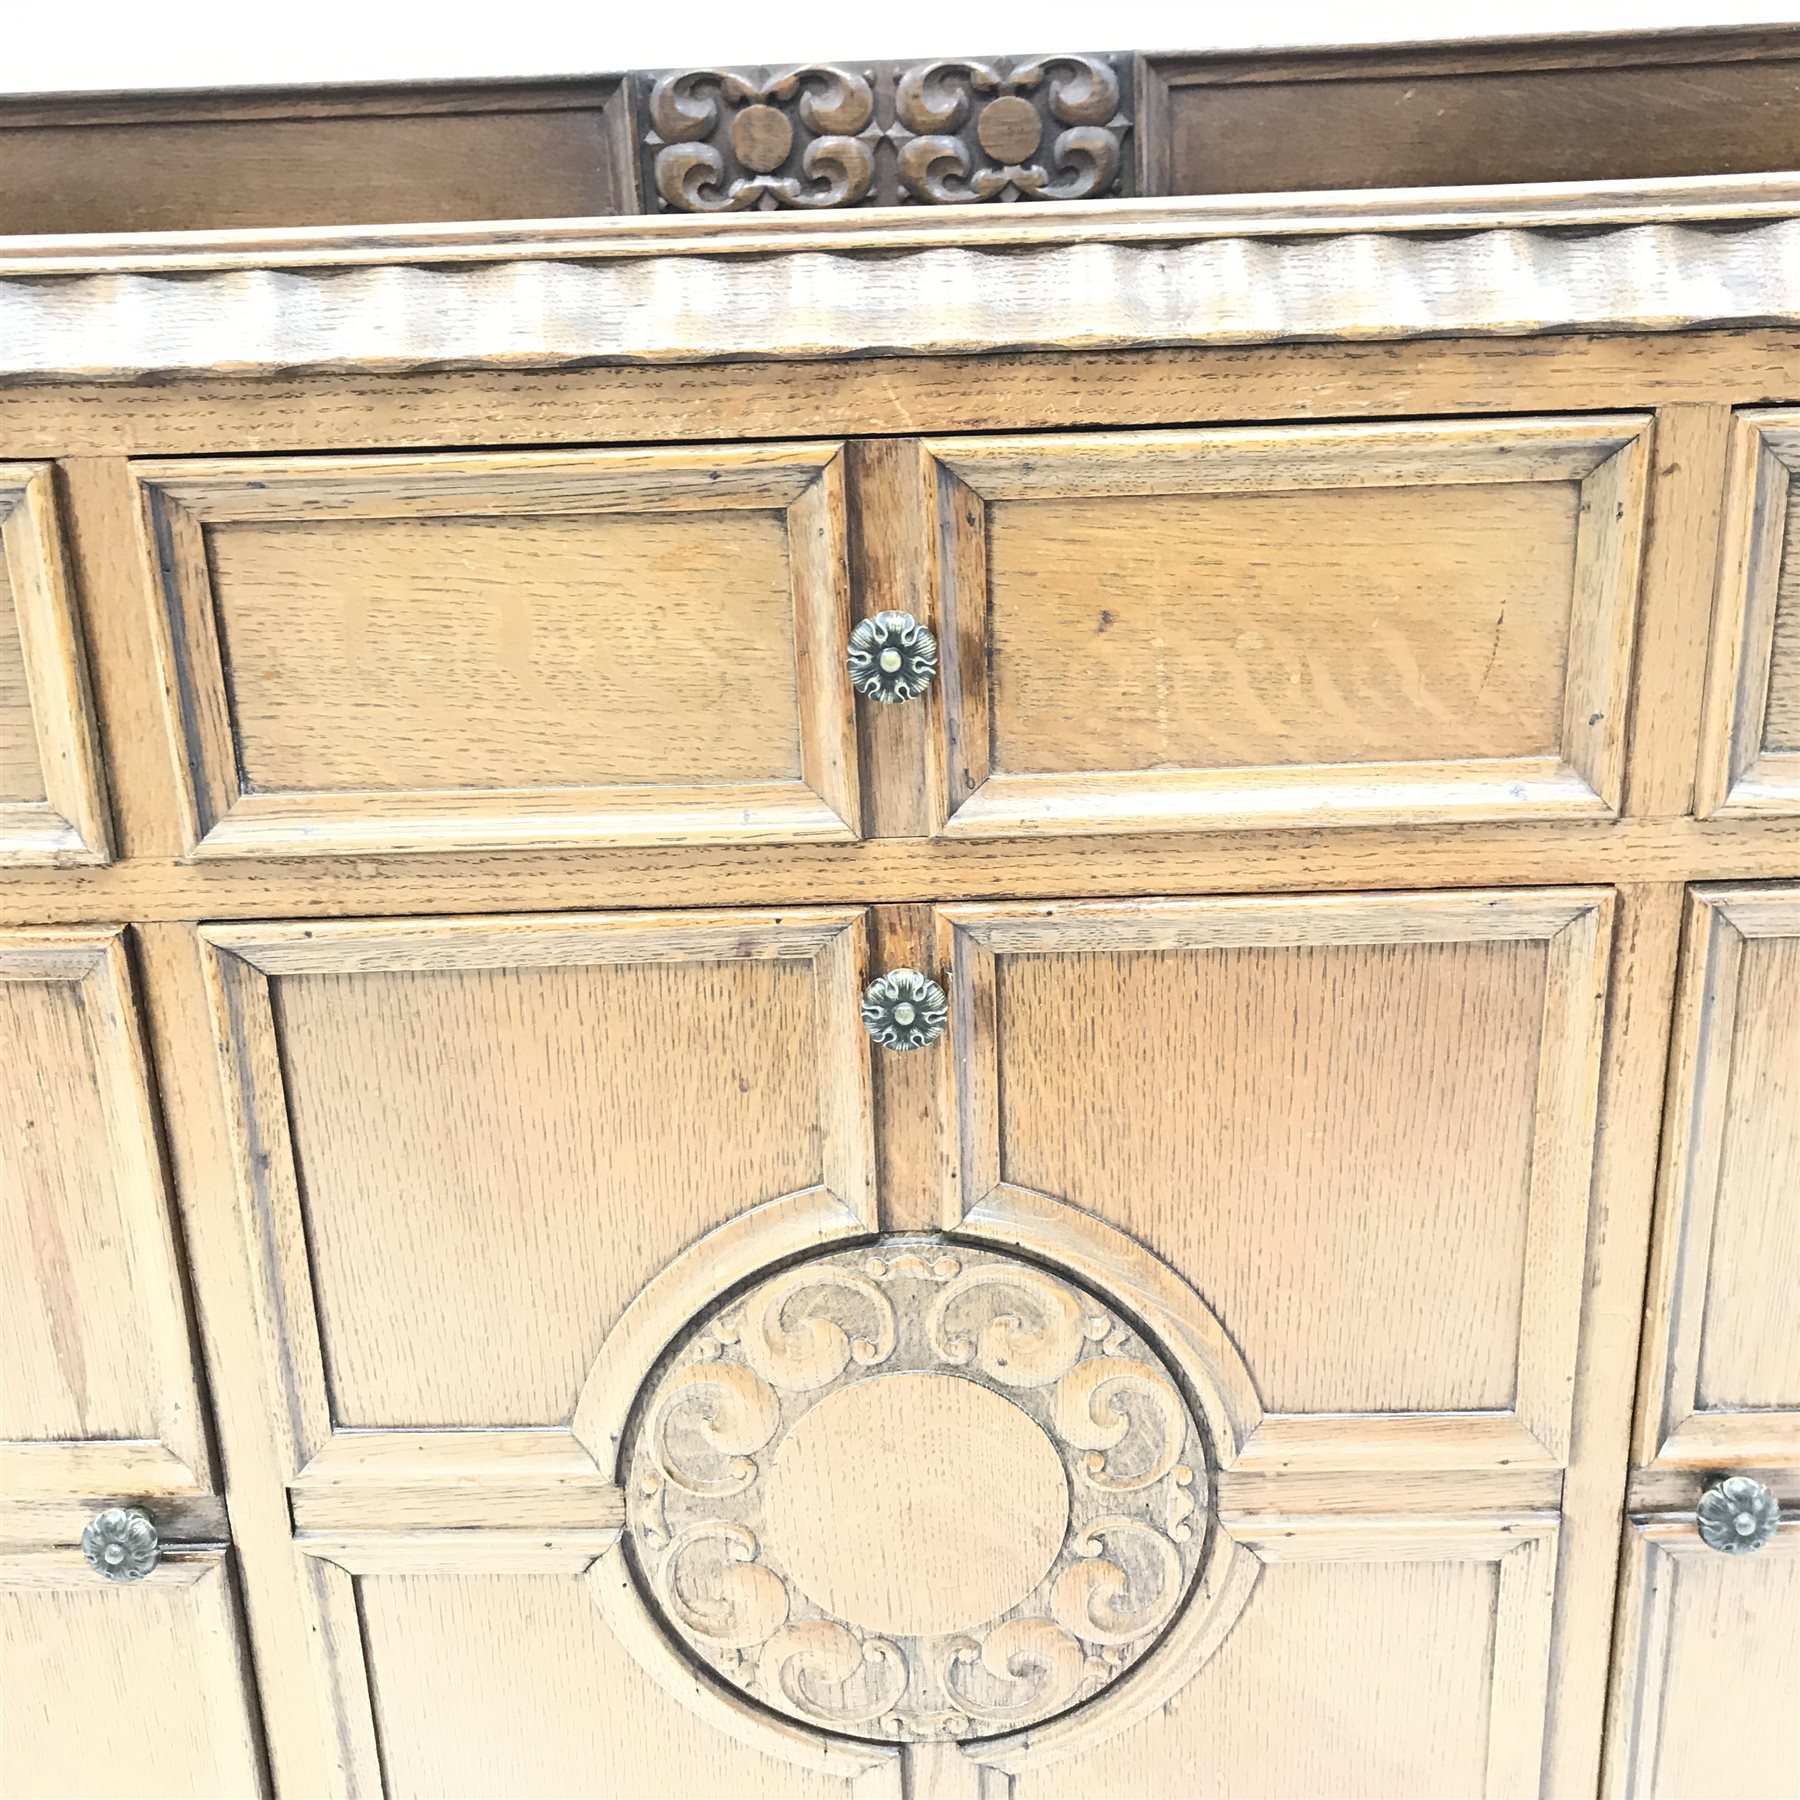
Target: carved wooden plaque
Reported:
[(917, 1491)]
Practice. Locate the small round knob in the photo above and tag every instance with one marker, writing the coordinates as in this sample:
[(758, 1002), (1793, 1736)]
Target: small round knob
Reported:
[(904, 1010), (892, 658), (1737, 1515), (121, 1544)]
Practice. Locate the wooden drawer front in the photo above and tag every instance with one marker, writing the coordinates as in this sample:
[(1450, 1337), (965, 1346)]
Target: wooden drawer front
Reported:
[(1361, 1128), (50, 798), (414, 653), (97, 1392), (136, 1690), (1342, 624), (1750, 746), (470, 1144), (1722, 1342), (1703, 1699)]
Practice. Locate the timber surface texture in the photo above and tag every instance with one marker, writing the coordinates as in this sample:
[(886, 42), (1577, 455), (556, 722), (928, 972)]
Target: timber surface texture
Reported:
[(1269, 1313)]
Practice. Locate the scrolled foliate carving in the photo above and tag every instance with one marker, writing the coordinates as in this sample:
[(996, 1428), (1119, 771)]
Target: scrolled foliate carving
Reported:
[(952, 130), (727, 140), (916, 1490), (1050, 129)]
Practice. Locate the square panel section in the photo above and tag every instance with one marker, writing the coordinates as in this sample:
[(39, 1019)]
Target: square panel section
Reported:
[(475, 652), (1361, 1128)]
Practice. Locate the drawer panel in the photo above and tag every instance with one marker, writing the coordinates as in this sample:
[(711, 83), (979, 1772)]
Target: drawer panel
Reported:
[(51, 807), (1750, 745), (1286, 627), (408, 653)]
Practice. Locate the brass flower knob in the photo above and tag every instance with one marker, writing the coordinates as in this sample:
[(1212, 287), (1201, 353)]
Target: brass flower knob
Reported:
[(904, 1010), (121, 1544), (1737, 1515), (892, 657)]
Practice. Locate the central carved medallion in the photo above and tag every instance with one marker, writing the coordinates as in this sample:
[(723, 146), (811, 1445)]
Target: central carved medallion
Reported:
[(916, 1490)]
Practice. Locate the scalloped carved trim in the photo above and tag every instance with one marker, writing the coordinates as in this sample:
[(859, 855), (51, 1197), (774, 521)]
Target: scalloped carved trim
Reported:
[(882, 293)]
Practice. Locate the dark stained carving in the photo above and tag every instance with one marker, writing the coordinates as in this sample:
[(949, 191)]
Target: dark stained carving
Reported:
[(947, 131), (1051, 129), (724, 140)]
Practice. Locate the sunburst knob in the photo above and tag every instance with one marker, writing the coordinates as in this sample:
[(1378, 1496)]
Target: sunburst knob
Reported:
[(892, 657)]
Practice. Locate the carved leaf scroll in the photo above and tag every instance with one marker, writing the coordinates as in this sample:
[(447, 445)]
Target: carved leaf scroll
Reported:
[(1083, 1444)]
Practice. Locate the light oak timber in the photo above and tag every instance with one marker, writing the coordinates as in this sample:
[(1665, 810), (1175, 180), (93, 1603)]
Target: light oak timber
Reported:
[(155, 1667), (378, 654), (1718, 1382), (99, 1390), (1001, 391), (1702, 1691), (1750, 735), (320, 1736), (52, 793), (902, 871), (1032, 986), (184, 1521), (1477, 582)]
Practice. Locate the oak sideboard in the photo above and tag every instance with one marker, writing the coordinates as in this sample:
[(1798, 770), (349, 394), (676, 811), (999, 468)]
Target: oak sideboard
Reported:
[(856, 995)]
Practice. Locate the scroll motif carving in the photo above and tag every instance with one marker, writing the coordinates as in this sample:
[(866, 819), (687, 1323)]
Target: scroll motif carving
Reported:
[(951, 130), (917, 1490), (1046, 130)]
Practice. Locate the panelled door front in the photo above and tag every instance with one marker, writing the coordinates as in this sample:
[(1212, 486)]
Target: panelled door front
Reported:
[(1709, 1626), (117, 1600), (645, 1435)]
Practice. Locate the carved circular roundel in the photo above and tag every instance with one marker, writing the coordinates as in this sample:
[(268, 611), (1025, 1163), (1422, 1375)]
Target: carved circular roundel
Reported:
[(916, 1490)]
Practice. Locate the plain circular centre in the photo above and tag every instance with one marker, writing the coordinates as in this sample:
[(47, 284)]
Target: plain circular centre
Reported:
[(916, 1504)]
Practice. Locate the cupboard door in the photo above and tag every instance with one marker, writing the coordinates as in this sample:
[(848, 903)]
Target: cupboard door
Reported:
[(1708, 1645), (468, 1153), (1334, 624), (51, 805), (138, 1690), (1750, 742), (98, 1397), (1362, 1130), (457, 653)]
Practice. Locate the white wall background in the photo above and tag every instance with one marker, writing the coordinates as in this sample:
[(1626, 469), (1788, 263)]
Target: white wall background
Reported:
[(51, 46)]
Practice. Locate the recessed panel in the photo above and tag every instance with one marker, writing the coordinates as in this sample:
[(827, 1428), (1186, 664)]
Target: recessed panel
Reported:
[(1361, 1128), (1750, 747), (1370, 1680), (96, 1363), (512, 1685), (499, 651), (123, 1691), (1334, 624)]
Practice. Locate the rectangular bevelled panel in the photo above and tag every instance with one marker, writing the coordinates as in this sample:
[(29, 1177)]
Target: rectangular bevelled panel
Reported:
[(436, 652), (489, 1135), (1317, 625), (1299, 1701), (1360, 1128), (97, 1387), (1750, 747), (1703, 1699), (513, 1685), (117, 1691)]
